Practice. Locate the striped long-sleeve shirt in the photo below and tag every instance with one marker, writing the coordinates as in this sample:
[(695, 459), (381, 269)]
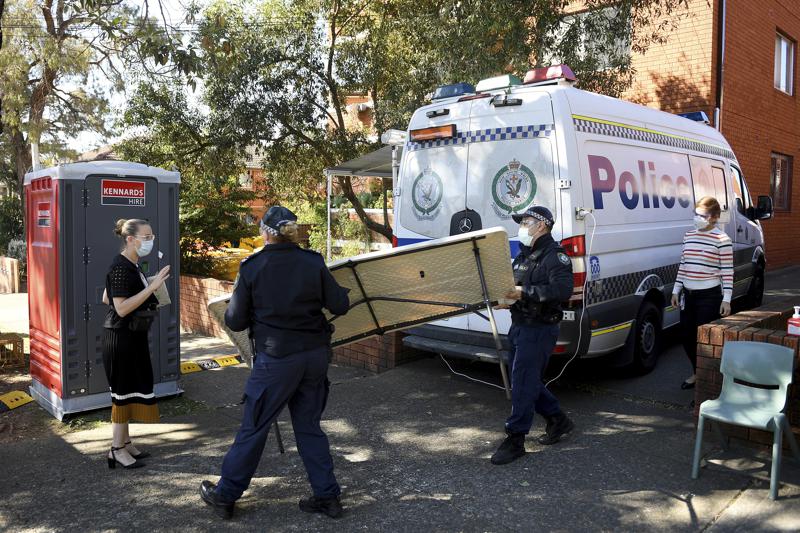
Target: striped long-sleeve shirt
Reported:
[(706, 262)]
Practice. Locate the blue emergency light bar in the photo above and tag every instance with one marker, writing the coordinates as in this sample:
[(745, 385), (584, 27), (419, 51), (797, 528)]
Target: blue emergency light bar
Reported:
[(697, 116), (454, 89)]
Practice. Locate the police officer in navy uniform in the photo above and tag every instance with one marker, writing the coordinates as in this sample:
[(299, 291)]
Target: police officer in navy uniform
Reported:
[(279, 295), (543, 277)]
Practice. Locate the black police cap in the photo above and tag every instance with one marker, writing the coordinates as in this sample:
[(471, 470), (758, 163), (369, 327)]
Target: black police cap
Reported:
[(538, 212), (277, 216)]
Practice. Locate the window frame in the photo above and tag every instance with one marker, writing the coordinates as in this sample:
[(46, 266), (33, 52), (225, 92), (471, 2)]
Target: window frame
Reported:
[(787, 207), (247, 180), (791, 65)]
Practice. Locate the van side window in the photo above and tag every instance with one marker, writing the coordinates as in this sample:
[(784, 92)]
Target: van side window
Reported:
[(740, 189), (708, 180), (737, 191), (720, 191)]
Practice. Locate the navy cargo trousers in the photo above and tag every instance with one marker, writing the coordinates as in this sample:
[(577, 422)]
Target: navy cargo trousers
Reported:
[(531, 347), (301, 381)]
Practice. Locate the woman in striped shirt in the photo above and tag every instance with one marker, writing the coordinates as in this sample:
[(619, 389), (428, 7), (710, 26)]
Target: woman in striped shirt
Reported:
[(705, 276)]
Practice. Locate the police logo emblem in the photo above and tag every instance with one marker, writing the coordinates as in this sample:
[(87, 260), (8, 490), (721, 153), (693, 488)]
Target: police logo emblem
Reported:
[(426, 195), (513, 189), (563, 258)]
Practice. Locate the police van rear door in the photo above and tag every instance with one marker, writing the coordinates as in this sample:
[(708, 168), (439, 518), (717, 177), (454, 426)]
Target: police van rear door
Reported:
[(433, 177), (511, 164), (434, 169)]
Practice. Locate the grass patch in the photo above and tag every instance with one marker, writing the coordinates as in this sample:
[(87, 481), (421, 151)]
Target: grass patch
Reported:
[(83, 421), (175, 406), (180, 405)]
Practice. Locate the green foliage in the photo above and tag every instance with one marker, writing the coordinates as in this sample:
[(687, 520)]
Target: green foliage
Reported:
[(177, 135), (10, 221), (56, 61), (18, 249), (277, 75)]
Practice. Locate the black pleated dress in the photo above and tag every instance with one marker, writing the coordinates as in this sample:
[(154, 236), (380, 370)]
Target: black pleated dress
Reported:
[(126, 354)]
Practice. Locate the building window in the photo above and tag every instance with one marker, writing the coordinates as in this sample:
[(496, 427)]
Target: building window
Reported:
[(246, 180), (781, 181), (784, 64)]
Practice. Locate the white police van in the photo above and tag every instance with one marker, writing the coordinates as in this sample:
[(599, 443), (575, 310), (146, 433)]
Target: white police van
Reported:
[(621, 180)]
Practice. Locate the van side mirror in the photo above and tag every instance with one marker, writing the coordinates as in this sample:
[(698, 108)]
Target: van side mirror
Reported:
[(739, 205), (763, 209)]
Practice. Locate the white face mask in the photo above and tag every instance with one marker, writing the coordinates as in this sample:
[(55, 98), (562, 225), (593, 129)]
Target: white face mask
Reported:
[(524, 237), (700, 222), (144, 249)]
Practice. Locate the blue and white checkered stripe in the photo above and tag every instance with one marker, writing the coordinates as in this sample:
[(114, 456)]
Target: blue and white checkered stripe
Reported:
[(492, 134), (614, 287), (613, 130)]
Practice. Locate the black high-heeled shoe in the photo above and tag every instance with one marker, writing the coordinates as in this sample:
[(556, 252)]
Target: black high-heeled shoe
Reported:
[(112, 461), (140, 455)]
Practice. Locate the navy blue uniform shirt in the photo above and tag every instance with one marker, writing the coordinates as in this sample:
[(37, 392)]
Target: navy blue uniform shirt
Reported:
[(545, 274), (280, 294)]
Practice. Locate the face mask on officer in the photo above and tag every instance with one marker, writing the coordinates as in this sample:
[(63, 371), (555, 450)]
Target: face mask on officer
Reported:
[(525, 237)]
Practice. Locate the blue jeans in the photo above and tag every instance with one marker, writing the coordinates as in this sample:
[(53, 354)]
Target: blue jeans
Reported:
[(531, 347), (301, 381)]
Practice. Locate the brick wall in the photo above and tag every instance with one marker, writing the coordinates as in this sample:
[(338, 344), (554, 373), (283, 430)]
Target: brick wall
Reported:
[(376, 354), (195, 294), (9, 275), (678, 75), (765, 324), (757, 119)]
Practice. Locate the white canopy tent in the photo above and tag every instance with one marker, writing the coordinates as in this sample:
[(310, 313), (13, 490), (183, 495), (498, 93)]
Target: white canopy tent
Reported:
[(382, 163)]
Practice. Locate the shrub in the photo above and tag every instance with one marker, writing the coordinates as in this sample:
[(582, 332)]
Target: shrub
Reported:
[(17, 249), (10, 221)]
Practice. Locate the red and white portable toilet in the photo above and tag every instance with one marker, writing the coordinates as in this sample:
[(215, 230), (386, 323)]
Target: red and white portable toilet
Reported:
[(71, 211)]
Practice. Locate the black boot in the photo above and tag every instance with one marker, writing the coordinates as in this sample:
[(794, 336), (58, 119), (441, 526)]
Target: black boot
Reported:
[(511, 449), (557, 426), (330, 506), (208, 491)]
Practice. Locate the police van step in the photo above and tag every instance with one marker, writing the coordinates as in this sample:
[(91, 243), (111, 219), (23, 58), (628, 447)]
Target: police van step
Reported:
[(482, 339), (453, 349)]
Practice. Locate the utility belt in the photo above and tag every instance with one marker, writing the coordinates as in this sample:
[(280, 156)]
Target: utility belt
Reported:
[(536, 314)]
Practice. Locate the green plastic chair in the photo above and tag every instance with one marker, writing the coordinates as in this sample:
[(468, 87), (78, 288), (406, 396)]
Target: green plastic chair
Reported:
[(756, 378)]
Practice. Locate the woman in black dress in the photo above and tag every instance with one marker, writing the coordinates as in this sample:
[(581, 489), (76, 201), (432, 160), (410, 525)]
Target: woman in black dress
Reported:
[(126, 354)]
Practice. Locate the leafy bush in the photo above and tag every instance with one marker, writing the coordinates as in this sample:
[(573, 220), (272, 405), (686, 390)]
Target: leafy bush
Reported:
[(17, 249), (10, 221), (365, 198)]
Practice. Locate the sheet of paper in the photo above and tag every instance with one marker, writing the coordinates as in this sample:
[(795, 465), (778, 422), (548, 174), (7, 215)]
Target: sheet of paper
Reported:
[(161, 294)]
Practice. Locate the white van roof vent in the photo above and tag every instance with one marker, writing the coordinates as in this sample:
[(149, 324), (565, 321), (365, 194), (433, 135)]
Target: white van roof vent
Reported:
[(498, 82), (549, 75)]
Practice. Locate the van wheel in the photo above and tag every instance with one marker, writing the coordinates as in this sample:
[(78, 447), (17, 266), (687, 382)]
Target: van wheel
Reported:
[(755, 293), (647, 339)]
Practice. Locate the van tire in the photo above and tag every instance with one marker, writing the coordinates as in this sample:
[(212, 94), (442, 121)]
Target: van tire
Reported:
[(646, 339), (755, 293)]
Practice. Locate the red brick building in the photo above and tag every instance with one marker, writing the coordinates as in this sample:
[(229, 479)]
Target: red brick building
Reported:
[(760, 114)]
